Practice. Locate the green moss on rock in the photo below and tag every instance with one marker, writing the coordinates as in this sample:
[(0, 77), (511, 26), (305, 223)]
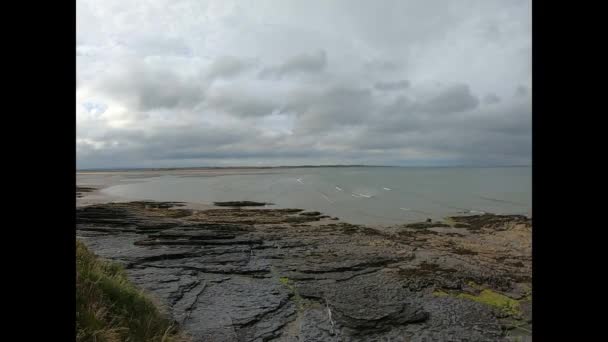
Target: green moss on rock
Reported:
[(507, 305)]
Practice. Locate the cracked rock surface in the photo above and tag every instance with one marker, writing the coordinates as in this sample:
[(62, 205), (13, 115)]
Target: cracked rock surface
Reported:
[(282, 275)]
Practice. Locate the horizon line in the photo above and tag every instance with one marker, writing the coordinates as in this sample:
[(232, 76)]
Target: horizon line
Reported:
[(288, 166)]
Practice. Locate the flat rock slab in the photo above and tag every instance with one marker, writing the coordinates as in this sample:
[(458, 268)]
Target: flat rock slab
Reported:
[(284, 275)]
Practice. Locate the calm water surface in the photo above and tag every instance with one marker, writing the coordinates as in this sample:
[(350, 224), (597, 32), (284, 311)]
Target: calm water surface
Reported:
[(365, 195)]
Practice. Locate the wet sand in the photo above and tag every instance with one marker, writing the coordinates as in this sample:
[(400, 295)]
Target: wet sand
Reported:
[(100, 180)]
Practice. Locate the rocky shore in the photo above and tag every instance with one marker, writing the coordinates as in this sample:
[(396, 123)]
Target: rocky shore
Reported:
[(254, 274)]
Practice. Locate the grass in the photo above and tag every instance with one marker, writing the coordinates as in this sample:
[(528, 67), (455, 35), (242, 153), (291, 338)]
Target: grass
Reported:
[(110, 308)]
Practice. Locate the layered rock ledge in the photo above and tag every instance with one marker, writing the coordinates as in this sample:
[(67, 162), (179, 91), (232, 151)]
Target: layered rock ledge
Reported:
[(287, 275)]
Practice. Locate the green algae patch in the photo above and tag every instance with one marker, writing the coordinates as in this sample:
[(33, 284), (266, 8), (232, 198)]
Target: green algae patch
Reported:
[(474, 285), (296, 296), (449, 221), (289, 284), (440, 293), (488, 297), (505, 304)]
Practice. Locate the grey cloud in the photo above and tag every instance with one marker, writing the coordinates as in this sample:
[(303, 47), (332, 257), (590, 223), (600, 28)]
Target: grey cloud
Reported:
[(241, 105), (399, 116), (395, 85), (491, 98), (456, 98), (334, 107), (382, 66), (303, 63), (153, 139), (521, 91), (481, 146), (405, 114), (149, 88), (239, 153), (402, 116), (498, 134), (159, 94), (226, 67), (513, 120), (148, 45), (382, 25), (162, 142), (181, 144), (491, 32), (356, 107), (464, 144)]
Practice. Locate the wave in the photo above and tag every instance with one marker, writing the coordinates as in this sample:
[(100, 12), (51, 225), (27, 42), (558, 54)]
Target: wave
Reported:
[(326, 198), (471, 211), (361, 195)]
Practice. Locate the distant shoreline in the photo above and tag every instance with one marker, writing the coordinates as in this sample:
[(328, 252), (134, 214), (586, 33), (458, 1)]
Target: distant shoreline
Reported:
[(278, 167), (223, 167)]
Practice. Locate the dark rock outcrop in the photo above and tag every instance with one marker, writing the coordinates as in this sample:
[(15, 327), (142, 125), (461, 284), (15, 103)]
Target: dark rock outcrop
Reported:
[(284, 275), (80, 190), (241, 204), (311, 213)]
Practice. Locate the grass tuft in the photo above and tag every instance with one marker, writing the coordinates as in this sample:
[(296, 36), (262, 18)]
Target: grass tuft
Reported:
[(110, 308)]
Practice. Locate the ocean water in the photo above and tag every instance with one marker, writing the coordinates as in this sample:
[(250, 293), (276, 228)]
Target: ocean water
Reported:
[(364, 195)]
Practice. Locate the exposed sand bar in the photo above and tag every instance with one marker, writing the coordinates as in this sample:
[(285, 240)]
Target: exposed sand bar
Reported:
[(106, 178)]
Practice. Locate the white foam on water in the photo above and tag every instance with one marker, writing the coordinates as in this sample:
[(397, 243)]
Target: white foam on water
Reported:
[(476, 212), (426, 190), (327, 198)]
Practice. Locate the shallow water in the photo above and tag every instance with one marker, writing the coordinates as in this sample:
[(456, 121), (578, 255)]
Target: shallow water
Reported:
[(364, 195)]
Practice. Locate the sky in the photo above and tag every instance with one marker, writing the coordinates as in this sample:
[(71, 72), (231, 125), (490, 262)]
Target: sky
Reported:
[(180, 83)]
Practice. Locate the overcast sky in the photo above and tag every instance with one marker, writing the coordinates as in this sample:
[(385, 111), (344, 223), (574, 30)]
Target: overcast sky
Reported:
[(275, 82)]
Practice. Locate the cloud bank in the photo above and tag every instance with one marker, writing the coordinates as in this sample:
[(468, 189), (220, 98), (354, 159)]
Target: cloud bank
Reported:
[(195, 83)]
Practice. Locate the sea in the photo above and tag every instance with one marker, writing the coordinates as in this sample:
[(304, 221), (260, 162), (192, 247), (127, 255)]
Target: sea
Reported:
[(358, 195)]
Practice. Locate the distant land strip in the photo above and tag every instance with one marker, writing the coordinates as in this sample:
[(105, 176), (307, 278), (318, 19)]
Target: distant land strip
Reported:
[(287, 167)]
